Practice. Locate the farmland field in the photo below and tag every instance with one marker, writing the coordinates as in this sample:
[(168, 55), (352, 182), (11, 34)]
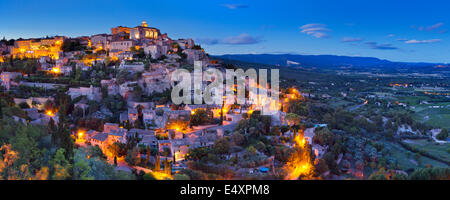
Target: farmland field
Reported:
[(437, 117), (438, 150)]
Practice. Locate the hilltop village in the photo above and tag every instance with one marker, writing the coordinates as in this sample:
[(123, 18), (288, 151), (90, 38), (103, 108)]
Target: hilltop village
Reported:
[(108, 96), (99, 107)]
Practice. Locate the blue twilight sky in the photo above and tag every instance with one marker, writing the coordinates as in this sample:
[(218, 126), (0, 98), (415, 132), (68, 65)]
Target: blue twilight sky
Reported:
[(398, 30)]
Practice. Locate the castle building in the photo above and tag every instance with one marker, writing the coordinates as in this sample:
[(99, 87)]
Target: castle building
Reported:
[(120, 29), (36, 48), (143, 32), (140, 32)]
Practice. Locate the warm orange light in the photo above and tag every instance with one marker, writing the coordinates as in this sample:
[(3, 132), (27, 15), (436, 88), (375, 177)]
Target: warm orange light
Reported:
[(50, 113), (80, 134), (300, 162), (56, 70), (161, 175), (193, 112)]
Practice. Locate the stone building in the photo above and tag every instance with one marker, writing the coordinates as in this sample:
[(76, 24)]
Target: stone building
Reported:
[(92, 93), (143, 32), (8, 78), (36, 48)]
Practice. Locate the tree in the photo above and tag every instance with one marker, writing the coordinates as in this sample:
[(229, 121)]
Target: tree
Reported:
[(275, 131), (431, 174), (201, 117), (148, 176), (132, 157), (250, 150), (378, 175), (293, 119), (104, 90), (61, 166), (117, 149), (181, 177), (400, 176), (323, 137), (330, 161), (1, 111), (137, 92), (148, 154), (443, 135), (82, 170), (238, 139), (222, 146), (322, 166)]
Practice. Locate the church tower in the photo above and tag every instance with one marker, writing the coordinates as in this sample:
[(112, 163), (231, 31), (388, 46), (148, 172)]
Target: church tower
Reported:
[(144, 24)]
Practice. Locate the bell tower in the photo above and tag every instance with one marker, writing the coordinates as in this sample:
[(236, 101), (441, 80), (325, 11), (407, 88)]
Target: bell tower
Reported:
[(144, 24)]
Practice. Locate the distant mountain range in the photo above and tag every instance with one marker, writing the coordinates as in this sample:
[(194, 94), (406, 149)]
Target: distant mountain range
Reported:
[(330, 61)]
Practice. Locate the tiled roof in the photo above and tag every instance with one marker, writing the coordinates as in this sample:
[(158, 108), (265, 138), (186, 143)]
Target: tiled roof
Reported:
[(100, 136)]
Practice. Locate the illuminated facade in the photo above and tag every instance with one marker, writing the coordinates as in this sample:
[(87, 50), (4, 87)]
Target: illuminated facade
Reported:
[(144, 32), (36, 48), (7, 78), (120, 29), (100, 41), (122, 45), (140, 32)]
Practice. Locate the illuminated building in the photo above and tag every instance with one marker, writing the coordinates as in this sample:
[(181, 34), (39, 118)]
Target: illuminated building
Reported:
[(8, 77), (121, 45), (36, 48), (144, 32), (140, 32), (100, 41), (120, 29)]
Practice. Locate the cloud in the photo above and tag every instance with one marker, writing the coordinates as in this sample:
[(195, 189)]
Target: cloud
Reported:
[(429, 28), (422, 41), (434, 26), (351, 39), (234, 6), (402, 39), (391, 35), (242, 39), (208, 41), (375, 45), (315, 30)]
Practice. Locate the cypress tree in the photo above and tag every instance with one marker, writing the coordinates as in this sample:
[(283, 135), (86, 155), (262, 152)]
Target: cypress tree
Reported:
[(148, 154)]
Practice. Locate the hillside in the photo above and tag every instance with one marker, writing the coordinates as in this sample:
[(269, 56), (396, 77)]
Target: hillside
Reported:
[(328, 61)]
